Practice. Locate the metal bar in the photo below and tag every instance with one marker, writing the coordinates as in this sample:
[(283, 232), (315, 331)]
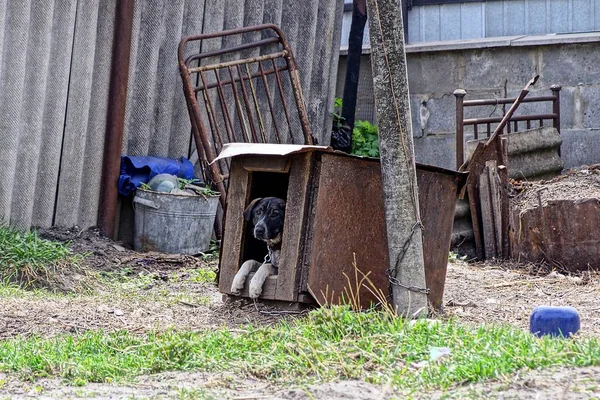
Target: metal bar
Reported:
[(282, 95), (235, 31), (115, 126), (489, 130), (508, 129), (512, 109), (515, 125), (238, 108), (261, 125), (246, 102), (232, 49), (460, 144), (301, 107), (255, 75), (270, 102), (541, 123), (533, 117), (228, 124), (237, 62), (475, 133), (212, 119), (492, 102), (556, 105), (528, 124)]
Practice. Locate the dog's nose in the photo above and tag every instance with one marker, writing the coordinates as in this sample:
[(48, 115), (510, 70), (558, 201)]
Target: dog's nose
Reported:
[(259, 231)]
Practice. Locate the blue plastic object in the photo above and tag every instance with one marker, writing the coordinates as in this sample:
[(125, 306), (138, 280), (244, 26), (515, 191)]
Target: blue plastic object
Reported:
[(554, 321), (135, 170)]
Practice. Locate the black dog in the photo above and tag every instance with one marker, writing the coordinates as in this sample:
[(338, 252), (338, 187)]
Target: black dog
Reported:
[(267, 215)]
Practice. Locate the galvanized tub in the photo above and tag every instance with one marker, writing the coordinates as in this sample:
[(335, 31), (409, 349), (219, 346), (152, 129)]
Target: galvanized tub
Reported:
[(173, 223)]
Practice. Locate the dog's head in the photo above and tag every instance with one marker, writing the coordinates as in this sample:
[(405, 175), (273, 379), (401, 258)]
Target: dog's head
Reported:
[(267, 215)]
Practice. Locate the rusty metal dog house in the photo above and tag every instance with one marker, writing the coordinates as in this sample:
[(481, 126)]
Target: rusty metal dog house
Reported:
[(334, 219)]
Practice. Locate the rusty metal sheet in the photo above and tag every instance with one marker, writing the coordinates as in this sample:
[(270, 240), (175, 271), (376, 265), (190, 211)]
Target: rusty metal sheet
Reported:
[(348, 227), (562, 233)]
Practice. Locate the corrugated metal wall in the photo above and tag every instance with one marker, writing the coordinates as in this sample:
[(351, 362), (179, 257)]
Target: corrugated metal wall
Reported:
[(157, 121), (501, 18), (54, 79), (53, 84)]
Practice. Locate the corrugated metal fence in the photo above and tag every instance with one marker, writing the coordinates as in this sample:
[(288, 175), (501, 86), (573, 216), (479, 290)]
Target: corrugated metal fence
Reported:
[(55, 74)]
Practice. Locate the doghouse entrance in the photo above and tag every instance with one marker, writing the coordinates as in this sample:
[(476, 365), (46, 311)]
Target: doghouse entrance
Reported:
[(262, 184)]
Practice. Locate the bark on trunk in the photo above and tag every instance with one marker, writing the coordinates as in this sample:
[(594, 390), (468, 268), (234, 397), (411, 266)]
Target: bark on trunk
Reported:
[(404, 228)]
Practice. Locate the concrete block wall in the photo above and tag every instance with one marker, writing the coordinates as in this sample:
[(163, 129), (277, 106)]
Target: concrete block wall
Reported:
[(500, 68)]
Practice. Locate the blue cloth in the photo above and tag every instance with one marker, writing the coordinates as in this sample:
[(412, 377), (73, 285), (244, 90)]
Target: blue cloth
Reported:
[(135, 170)]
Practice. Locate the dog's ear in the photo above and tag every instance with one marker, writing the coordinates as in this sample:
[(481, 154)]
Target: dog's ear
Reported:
[(250, 208)]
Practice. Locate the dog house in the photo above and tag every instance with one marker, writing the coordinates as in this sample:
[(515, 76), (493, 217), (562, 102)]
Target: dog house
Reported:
[(334, 222)]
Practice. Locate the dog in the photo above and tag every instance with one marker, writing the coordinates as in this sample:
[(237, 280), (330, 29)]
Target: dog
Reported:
[(267, 215)]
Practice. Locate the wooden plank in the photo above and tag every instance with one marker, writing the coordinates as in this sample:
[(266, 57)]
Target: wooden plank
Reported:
[(496, 203), (487, 220), (294, 227), (233, 235), (505, 210)]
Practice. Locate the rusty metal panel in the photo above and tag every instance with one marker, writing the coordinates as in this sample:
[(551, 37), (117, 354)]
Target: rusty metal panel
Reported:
[(561, 232), (349, 225)]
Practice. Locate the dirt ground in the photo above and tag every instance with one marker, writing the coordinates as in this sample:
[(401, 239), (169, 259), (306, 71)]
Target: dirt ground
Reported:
[(166, 298)]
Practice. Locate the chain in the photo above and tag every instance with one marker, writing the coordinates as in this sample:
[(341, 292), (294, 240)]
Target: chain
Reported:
[(392, 279)]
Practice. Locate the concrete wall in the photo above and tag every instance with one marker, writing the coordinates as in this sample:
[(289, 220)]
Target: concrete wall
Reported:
[(497, 68)]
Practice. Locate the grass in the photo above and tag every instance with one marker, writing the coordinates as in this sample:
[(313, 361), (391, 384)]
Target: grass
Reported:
[(328, 344), (27, 259)]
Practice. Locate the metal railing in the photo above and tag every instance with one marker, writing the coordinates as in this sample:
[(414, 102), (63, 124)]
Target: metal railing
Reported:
[(513, 123)]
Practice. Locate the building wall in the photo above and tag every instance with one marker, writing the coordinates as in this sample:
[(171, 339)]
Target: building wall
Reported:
[(486, 19), (499, 71), (55, 60)]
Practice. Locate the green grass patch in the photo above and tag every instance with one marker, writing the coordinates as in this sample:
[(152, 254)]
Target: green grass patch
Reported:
[(201, 275), (30, 261), (328, 344)]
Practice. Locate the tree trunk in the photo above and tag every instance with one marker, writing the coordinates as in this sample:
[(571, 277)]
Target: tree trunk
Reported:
[(404, 228)]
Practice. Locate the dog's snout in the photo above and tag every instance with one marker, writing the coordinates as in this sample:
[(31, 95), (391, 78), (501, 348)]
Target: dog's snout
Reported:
[(259, 231)]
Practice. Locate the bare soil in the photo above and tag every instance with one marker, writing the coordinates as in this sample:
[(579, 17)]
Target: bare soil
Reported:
[(577, 184), (475, 294)]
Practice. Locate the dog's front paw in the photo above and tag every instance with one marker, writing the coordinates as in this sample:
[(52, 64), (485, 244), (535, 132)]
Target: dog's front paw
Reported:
[(238, 285), (255, 289)]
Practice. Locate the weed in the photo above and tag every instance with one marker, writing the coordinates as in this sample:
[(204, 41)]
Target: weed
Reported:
[(30, 261), (203, 276), (365, 139)]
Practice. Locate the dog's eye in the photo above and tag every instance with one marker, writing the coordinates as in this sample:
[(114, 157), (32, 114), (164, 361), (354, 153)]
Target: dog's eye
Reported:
[(259, 212), (274, 214)]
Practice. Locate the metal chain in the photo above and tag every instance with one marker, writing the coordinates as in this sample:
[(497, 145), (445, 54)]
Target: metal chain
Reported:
[(392, 279)]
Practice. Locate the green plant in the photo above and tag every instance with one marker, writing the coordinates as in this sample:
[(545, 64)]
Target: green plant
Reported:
[(365, 139), (330, 343), (29, 260), (338, 120), (203, 276), (201, 190)]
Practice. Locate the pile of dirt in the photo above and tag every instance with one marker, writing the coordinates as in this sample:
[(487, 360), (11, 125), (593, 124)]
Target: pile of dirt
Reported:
[(105, 255), (577, 184)]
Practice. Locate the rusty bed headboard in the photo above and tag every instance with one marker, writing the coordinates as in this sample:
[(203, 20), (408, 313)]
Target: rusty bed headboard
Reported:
[(513, 123), (241, 85)]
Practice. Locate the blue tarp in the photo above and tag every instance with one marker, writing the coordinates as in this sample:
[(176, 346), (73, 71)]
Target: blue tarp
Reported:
[(135, 170)]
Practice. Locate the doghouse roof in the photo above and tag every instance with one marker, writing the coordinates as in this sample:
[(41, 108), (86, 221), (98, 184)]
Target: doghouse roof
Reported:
[(267, 149)]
